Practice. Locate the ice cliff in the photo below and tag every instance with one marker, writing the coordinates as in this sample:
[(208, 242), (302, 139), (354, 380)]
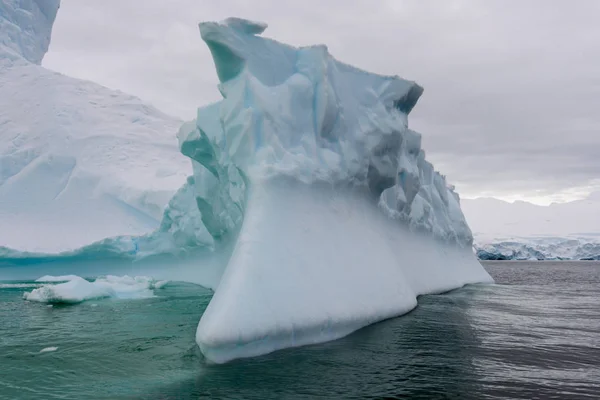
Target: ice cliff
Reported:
[(338, 219)]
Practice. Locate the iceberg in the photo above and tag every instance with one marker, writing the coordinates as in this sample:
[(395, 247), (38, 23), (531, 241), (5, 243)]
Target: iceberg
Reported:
[(79, 162), (309, 167)]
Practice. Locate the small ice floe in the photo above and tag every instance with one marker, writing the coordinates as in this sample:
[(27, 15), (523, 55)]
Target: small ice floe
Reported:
[(48, 349), (77, 289)]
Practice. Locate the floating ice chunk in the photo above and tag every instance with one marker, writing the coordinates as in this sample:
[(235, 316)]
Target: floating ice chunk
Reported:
[(73, 291), (126, 287), (78, 289), (48, 349)]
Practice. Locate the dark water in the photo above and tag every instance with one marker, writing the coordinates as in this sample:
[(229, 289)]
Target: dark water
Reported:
[(534, 335)]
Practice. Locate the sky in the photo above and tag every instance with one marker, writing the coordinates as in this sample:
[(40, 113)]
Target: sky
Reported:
[(511, 107)]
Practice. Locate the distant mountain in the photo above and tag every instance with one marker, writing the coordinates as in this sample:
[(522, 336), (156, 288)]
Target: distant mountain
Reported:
[(539, 249), (525, 231), (493, 219)]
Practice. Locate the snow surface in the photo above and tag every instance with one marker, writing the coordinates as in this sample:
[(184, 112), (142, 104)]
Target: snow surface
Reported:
[(77, 289), (340, 221), (78, 162)]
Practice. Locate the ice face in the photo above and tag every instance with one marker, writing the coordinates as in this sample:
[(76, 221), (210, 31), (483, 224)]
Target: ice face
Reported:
[(25, 28), (308, 165), (301, 113)]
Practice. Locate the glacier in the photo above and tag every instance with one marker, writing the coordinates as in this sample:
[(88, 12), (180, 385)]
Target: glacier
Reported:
[(539, 248), (302, 198)]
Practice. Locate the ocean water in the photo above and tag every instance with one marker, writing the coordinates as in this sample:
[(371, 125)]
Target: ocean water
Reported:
[(533, 335)]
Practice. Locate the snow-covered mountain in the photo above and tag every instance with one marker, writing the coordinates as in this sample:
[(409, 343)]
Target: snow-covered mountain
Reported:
[(546, 248), (78, 162), (492, 218)]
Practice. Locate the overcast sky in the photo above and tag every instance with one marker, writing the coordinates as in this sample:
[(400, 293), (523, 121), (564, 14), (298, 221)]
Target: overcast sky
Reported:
[(511, 106)]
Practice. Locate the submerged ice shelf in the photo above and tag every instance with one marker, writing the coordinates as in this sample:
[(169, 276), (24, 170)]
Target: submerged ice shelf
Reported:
[(309, 166)]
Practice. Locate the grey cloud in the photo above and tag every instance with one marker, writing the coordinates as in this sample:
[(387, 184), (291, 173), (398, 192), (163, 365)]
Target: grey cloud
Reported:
[(512, 91)]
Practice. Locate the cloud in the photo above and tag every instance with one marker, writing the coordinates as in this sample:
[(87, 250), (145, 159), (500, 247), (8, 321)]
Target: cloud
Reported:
[(512, 91)]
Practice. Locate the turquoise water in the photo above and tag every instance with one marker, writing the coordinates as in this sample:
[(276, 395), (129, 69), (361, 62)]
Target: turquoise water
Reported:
[(534, 335)]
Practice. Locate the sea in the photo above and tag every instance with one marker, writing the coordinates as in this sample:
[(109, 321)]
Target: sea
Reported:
[(535, 334)]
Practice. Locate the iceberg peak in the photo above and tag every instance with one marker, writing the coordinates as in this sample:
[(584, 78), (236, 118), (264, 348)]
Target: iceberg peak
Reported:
[(301, 113)]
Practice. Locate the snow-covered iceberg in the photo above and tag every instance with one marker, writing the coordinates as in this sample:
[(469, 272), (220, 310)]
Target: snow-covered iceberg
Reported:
[(79, 163), (308, 165)]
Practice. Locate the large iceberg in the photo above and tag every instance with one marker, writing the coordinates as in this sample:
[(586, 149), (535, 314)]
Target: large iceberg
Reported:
[(308, 165), (78, 162)]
